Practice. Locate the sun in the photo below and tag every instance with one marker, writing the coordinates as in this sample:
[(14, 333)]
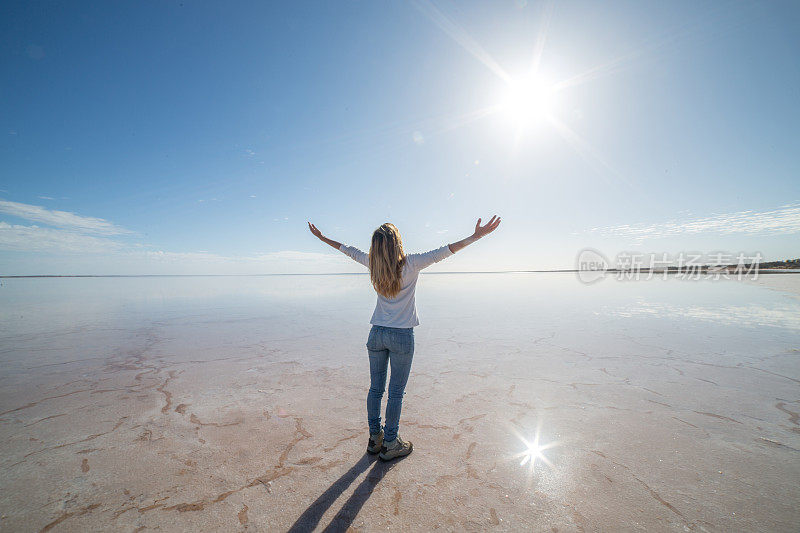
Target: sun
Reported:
[(528, 101)]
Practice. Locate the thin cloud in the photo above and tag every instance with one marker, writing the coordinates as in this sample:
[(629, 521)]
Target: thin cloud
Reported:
[(782, 221), (20, 238), (65, 242), (61, 219), (274, 262), (205, 256)]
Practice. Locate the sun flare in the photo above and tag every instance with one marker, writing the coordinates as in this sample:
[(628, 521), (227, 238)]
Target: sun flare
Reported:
[(528, 101), (533, 452)]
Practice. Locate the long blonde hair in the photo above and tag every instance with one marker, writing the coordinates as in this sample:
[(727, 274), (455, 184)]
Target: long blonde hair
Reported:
[(386, 260)]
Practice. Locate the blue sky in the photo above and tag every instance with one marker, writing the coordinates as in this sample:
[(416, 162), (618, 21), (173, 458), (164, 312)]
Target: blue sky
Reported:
[(197, 137)]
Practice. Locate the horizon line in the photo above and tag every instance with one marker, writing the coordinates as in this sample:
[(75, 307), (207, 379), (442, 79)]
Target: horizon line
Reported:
[(551, 271)]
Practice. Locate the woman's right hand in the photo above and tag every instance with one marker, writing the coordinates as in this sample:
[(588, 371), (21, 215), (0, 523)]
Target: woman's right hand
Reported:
[(314, 231), (318, 234), (483, 231)]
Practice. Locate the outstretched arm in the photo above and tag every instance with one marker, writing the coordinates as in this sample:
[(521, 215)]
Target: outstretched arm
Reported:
[(420, 261), (480, 232), (353, 253), (318, 234)]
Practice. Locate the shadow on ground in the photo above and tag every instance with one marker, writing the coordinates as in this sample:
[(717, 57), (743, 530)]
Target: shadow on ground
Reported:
[(310, 518)]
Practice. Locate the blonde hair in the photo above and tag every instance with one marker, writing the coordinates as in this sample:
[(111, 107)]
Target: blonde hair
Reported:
[(386, 260)]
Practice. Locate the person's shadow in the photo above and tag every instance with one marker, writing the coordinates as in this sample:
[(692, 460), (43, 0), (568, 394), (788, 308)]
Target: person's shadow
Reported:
[(344, 518)]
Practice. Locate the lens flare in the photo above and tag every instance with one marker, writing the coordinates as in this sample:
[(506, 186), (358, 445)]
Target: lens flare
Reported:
[(533, 451)]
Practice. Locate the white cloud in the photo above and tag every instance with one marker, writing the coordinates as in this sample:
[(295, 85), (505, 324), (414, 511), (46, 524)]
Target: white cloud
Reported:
[(166, 262), (61, 219), (66, 251), (782, 221), (88, 245), (286, 258), (35, 239)]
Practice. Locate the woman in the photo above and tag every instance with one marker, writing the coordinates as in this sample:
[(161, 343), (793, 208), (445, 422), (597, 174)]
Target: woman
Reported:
[(391, 339)]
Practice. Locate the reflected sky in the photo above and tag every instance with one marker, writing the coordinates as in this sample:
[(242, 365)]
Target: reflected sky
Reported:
[(530, 365), (496, 303), (780, 315)]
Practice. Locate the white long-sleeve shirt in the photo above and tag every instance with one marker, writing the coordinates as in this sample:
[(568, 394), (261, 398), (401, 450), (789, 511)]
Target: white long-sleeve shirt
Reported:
[(400, 311)]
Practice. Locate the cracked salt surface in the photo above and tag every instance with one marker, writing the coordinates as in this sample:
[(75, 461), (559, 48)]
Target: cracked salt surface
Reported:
[(229, 403)]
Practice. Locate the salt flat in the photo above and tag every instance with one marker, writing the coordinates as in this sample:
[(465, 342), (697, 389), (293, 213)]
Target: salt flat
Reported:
[(218, 403)]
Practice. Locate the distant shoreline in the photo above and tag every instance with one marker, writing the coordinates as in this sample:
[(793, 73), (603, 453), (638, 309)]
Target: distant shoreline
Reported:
[(556, 271)]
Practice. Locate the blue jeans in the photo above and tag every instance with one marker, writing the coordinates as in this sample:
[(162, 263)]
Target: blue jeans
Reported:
[(386, 346)]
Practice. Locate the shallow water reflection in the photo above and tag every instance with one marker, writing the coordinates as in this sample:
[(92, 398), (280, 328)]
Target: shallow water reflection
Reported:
[(549, 402)]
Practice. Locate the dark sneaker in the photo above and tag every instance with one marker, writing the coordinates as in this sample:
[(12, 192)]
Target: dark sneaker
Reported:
[(375, 443), (398, 448)]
